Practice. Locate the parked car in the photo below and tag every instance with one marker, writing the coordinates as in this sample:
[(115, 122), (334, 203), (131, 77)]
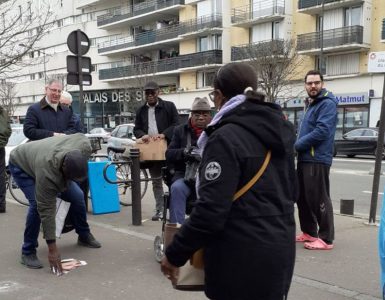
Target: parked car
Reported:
[(102, 133), (17, 138), (361, 141), (121, 137)]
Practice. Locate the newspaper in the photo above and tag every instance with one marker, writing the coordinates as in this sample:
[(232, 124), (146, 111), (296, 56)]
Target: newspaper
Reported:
[(62, 208)]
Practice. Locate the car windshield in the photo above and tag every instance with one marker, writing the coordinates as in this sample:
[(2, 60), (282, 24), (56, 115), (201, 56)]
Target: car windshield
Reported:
[(16, 137)]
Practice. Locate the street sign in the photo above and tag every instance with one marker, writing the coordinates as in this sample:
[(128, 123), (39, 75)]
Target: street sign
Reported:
[(73, 79), (376, 62), (72, 43), (72, 64)]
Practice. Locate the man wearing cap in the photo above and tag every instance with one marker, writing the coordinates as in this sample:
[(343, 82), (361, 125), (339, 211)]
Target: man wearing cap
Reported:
[(44, 170), (180, 150), (155, 120)]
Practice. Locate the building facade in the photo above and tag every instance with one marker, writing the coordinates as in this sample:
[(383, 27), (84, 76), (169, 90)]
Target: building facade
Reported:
[(182, 43)]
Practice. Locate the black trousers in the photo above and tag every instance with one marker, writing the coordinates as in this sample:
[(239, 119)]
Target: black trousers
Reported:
[(2, 177), (315, 207)]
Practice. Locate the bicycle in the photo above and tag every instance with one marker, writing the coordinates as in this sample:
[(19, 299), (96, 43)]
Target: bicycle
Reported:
[(123, 175), (14, 190)]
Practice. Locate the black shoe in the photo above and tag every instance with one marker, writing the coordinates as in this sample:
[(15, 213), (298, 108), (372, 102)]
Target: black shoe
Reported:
[(31, 261), (2, 208), (88, 241), (158, 216)]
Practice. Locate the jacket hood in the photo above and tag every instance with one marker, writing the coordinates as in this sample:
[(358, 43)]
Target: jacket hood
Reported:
[(325, 94), (266, 121)]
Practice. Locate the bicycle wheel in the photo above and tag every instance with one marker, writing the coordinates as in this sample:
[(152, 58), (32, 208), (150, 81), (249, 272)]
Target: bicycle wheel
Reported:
[(123, 172), (16, 192)]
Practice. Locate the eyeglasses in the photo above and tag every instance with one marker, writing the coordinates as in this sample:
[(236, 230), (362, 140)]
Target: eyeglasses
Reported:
[(55, 91), (197, 114), (212, 96), (150, 92), (310, 83)]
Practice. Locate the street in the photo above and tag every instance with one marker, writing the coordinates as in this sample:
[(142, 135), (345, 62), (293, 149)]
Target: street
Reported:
[(350, 178)]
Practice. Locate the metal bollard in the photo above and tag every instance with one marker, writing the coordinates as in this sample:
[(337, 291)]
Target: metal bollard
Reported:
[(347, 207), (136, 198)]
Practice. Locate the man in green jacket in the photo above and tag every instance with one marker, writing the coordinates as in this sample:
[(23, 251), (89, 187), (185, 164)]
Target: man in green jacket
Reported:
[(46, 169), (5, 132)]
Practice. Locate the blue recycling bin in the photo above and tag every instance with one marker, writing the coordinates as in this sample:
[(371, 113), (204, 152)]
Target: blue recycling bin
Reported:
[(104, 195)]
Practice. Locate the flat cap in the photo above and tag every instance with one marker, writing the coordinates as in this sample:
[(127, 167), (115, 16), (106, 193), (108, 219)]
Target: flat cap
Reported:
[(151, 85)]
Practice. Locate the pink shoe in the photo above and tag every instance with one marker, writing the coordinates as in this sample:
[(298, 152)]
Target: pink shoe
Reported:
[(318, 245), (304, 237)]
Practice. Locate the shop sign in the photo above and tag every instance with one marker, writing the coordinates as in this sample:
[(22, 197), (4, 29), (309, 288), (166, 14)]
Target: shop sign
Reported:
[(113, 96), (353, 98), (376, 62)]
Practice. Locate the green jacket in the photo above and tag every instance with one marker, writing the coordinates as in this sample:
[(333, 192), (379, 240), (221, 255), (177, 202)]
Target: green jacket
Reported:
[(5, 128), (42, 160)]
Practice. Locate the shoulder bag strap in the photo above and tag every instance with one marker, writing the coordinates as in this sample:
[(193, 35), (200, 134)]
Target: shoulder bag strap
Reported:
[(253, 180)]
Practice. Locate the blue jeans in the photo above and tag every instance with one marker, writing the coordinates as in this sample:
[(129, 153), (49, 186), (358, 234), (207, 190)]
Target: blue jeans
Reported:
[(178, 198), (73, 194)]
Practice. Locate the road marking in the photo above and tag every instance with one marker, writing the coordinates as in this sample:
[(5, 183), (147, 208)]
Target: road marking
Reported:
[(350, 172), (369, 192), (333, 289)]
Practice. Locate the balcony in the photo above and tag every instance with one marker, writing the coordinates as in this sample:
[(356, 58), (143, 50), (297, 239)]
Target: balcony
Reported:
[(255, 50), (201, 26), (334, 40), (150, 40), (138, 14), (383, 31), (247, 16), (313, 7), (195, 61)]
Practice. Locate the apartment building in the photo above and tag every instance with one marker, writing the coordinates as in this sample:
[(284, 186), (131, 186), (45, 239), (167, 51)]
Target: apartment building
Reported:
[(182, 43)]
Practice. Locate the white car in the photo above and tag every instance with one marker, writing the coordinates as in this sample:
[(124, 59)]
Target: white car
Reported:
[(102, 133), (17, 138), (121, 137)]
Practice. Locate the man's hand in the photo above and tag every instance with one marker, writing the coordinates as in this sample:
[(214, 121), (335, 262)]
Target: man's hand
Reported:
[(159, 136), (146, 138), (54, 259), (169, 270)]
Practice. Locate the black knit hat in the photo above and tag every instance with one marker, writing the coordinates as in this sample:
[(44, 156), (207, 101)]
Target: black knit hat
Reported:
[(75, 166)]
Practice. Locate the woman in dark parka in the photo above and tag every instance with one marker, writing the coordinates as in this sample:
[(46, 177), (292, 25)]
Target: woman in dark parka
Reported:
[(249, 244)]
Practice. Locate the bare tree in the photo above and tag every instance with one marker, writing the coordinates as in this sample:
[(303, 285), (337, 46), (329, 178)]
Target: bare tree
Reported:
[(22, 25), (7, 97), (277, 63)]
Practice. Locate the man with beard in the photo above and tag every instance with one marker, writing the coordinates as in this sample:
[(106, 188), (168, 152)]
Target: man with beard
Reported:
[(156, 119), (315, 154)]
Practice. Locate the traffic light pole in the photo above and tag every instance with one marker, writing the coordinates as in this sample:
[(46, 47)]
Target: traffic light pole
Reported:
[(80, 67)]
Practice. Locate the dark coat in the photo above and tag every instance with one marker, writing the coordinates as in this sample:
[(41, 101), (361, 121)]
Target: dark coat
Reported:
[(249, 244), (175, 151), (166, 116), (42, 121)]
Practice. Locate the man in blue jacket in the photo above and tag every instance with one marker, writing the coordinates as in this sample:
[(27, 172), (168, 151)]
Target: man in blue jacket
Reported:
[(315, 154)]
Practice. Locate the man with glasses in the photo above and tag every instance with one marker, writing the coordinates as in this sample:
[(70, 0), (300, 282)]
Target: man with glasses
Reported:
[(48, 117), (180, 151), (155, 119), (315, 154)]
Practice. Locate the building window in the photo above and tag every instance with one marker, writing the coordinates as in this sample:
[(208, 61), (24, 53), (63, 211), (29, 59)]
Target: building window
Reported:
[(40, 75), (352, 16), (342, 64), (32, 76), (205, 79), (275, 31), (94, 68), (203, 44)]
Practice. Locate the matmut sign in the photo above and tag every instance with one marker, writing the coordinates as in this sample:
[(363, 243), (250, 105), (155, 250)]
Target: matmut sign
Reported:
[(376, 62)]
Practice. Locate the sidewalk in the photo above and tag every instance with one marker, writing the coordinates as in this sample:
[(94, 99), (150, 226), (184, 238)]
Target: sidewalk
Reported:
[(125, 268)]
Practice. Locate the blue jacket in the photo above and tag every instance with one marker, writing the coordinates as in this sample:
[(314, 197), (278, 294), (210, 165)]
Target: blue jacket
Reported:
[(315, 139), (41, 121)]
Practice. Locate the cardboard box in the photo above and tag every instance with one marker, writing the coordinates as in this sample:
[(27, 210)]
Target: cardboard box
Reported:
[(154, 150)]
